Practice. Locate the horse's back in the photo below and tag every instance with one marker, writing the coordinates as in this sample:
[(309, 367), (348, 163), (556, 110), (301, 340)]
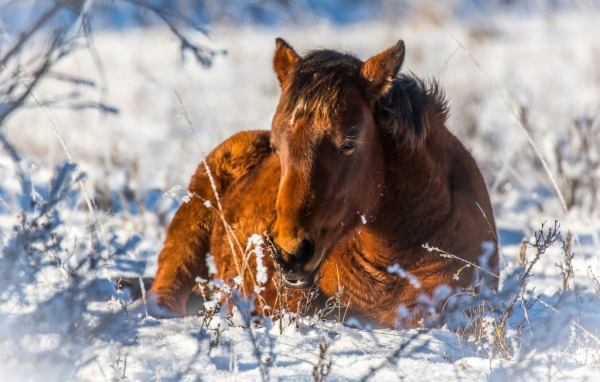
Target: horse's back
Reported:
[(471, 224), (474, 215), (232, 159), (187, 242)]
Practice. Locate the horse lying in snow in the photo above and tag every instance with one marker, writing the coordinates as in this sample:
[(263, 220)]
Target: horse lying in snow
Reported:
[(357, 173)]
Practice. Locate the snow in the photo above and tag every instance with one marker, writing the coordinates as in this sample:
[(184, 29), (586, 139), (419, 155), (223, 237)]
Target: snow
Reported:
[(210, 264), (256, 242), (397, 269), (61, 317)]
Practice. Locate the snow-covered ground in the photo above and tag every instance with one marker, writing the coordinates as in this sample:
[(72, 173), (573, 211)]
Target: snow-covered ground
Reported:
[(60, 316)]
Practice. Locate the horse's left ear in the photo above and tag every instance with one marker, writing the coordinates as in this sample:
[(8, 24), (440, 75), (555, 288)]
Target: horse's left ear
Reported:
[(380, 70), (284, 59)]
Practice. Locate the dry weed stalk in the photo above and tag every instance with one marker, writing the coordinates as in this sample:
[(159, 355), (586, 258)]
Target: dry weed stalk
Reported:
[(585, 128), (487, 314), (333, 304), (595, 283), (323, 366), (576, 154), (541, 242), (522, 254), (307, 297), (566, 265), (518, 116), (250, 322), (281, 307), (119, 363), (240, 254)]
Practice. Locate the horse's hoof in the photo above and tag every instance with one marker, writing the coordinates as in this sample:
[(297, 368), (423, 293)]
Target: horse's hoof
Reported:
[(149, 307)]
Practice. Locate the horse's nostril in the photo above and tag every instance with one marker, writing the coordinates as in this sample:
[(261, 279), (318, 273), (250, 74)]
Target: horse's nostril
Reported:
[(305, 251), (296, 258)]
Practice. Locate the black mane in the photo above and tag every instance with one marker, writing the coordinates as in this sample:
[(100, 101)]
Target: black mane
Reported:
[(404, 109)]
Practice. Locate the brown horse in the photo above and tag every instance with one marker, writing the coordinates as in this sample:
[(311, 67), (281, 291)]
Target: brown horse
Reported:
[(358, 172)]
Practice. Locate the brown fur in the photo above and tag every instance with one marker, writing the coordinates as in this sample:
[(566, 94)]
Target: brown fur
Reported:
[(351, 139)]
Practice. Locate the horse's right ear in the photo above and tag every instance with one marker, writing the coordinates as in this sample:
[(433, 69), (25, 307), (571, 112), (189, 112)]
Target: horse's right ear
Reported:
[(284, 59), (381, 70)]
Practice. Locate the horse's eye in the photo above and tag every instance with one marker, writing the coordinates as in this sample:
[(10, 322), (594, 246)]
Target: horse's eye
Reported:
[(273, 148), (348, 149)]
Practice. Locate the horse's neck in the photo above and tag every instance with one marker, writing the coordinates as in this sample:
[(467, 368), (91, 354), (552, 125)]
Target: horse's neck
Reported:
[(416, 198)]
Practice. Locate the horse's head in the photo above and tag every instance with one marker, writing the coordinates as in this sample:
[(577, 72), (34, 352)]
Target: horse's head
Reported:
[(332, 166)]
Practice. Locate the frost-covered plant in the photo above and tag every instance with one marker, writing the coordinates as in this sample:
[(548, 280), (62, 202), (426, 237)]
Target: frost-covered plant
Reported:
[(498, 323), (577, 161), (323, 365), (495, 323), (59, 29), (40, 253), (36, 240), (226, 305)]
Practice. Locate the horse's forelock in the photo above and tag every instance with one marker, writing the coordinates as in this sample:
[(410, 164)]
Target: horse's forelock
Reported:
[(319, 81)]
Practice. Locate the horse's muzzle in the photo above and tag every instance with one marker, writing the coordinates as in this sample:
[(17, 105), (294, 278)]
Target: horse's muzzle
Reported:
[(300, 283), (291, 265)]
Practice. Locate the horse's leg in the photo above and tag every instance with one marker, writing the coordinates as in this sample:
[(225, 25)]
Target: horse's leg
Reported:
[(186, 242), (183, 257)]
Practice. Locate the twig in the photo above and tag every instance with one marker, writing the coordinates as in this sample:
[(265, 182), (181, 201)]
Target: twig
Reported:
[(202, 54), (445, 64), (30, 32), (493, 231), (213, 184), (451, 256)]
